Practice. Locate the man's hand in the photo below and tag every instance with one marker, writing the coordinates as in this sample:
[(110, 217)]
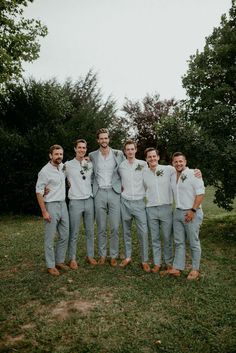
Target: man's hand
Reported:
[(46, 191), (189, 216), (197, 173), (46, 216)]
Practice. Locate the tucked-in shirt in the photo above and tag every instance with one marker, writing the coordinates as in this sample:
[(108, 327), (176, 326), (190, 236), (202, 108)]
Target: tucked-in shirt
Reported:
[(157, 185), (132, 179), (78, 174), (54, 179), (186, 189), (106, 166)]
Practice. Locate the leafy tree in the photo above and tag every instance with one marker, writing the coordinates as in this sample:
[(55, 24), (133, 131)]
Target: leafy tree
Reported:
[(143, 117), (210, 84), (35, 115), (18, 39)]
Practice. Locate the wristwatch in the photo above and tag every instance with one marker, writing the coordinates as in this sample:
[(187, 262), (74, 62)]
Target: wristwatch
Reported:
[(193, 210)]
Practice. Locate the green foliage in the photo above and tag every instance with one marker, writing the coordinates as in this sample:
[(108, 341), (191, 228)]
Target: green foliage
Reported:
[(143, 117), (205, 127), (34, 116), (18, 39)]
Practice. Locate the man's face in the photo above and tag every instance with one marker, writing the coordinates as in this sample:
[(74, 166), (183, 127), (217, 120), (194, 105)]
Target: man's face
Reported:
[(56, 156), (80, 150), (103, 140), (130, 151), (152, 159), (179, 162)]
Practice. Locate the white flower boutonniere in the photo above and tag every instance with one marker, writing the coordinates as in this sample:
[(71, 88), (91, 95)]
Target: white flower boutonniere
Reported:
[(183, 177), (139, 167), (160, 172)]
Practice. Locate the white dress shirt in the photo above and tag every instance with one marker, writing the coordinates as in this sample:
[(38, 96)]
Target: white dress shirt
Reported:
[(157, 185), (79, 177), (132, 179), (106, 166), (53, 178), (186, 189)]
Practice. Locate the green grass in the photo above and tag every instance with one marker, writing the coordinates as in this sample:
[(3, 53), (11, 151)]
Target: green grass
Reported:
[(111, 310)]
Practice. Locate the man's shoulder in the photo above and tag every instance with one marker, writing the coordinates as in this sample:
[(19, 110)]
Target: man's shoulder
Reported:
[(93, 153)]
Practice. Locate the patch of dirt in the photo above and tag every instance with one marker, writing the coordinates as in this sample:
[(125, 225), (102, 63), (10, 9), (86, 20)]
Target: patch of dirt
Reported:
[(65, 308), (28, 326), (9, 340)]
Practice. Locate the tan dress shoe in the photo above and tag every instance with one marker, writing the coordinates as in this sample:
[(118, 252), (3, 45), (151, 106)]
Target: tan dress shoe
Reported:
[(53, 271), (194, 275), (102, 261), (146, 267), (156, 268), (113, 262), (73, 265), (91, 261), (173, 272), (62, 267), (125, 263)]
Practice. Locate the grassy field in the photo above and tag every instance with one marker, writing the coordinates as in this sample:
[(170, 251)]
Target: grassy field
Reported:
[(111, 310)]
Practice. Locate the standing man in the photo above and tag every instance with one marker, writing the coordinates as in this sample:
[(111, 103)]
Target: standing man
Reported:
[(132, 204), (78, 172), (54, 210), (159, 201), (106, 191), (188, 194)]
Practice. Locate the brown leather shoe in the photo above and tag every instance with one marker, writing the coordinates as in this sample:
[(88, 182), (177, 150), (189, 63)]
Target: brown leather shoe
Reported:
[(146, 267), (125, 263), (194, 275), (156, 268), (53, 271), (73, 265), (91, 261), (102, 261), (62, 267), (174, 272), (113, 262)]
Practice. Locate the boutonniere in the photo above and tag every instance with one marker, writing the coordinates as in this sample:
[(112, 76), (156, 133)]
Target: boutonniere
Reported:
[(116, 153), (139, 167), (183, 177), (160, 172), (85, 165)]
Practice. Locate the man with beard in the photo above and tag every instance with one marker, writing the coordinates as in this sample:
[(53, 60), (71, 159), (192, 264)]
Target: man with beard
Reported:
[(106, 191), (54, 210), (78, 172), (188, 195)]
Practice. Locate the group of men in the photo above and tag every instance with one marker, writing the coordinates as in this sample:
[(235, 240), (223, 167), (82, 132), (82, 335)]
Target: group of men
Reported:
[(114, 186)]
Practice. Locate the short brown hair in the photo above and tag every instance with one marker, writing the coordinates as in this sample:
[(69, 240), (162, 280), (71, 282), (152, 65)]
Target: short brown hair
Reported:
[(102, 131), (130, 142), (149, 149), (177, 154), (55, 147), (78, 141)]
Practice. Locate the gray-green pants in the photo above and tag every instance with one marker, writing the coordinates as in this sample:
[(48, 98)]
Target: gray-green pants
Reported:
[(107, 205), (134, 210), (77, 210), (59, 224)]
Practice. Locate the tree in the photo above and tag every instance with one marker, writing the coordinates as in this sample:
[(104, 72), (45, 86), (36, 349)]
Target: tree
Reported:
[(144, 116), (18, 39), (206, 128), (34, 116)]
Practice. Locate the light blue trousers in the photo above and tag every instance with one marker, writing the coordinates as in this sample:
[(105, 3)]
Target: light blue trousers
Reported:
[(134, 210), (81, 209), (59, 224), (107, 207), (160, 218), (190, 231)]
